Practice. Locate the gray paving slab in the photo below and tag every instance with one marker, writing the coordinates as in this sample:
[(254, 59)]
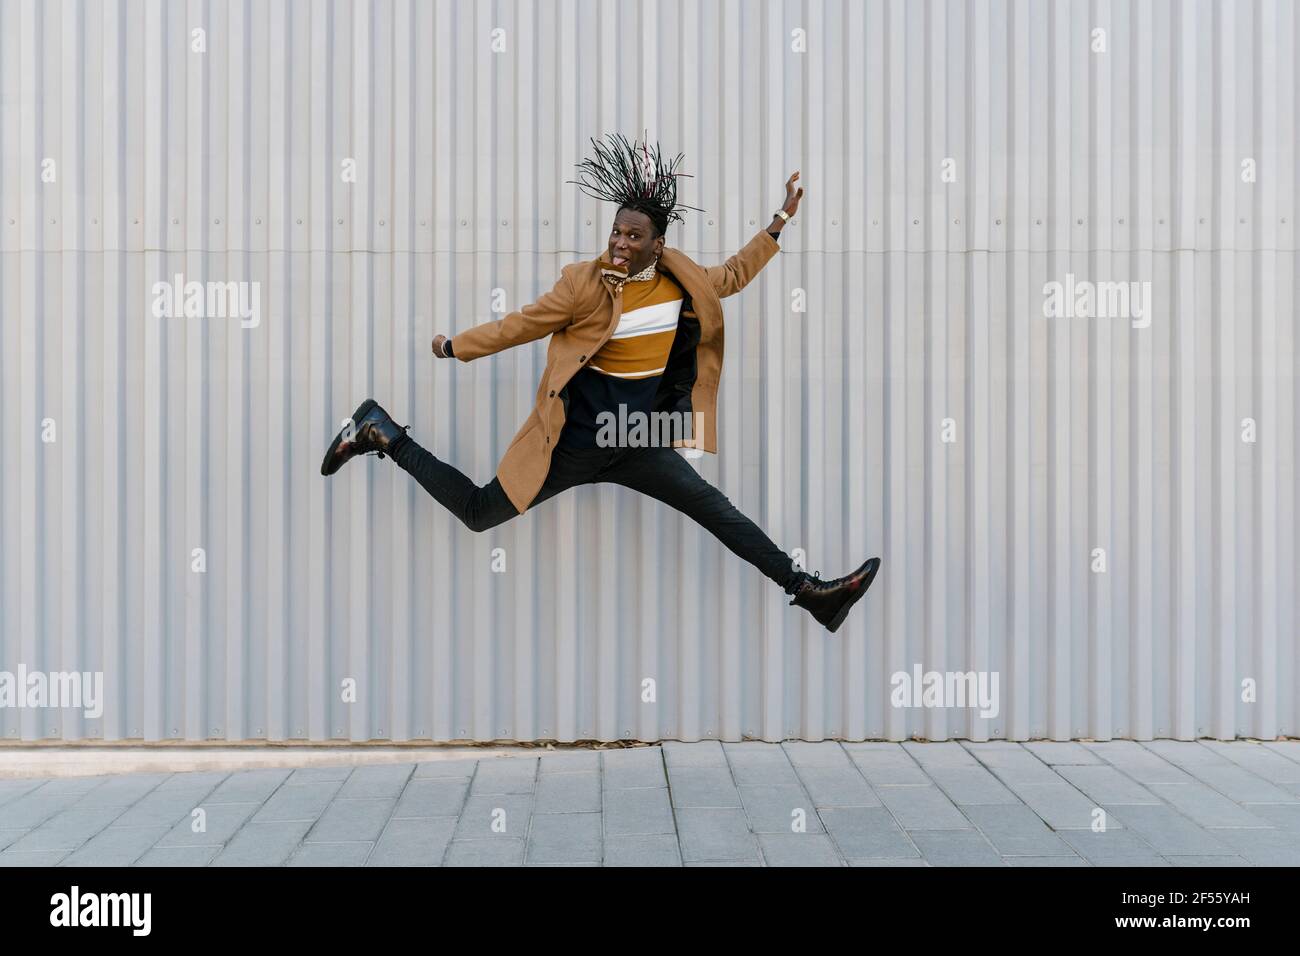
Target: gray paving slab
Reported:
[(116, 846), (579, 761), (702, 787), (704, 753), (8, 837), (352, 820), (433, 797), (1017, 831), (38, 858), (1103, 784), (1262, 847), (380, 780), (568, 793), (331, 854), (499, 816), (716, 835), (1209, 861), (67, 829), (461, 768), (1187, 754), (247, 786), (806, 755), (838, 787), (219, 823), (564, 838), (417, 841), (194, 781), (263, 844), (1046, 861), (955, 848), (1137, 762), (1059, 804), (757, 764), (798, 849), (1167, 831), (162, 808), (505, 775), (1258, 759), (1283, 816), (642, 850), (65, 785), (504, 851), (318, 775), (907, 861), (867, 833), (945, 753), (972, 786), (884, 764), (1242, 786), (632, 768), (1012, 764), (922, 808), (1207, 807), (120, 791), (305, 801), (1112, 847), (12, 789), (178, 856), (640, 812), (1061, 752), (777, 809), (33, 808)]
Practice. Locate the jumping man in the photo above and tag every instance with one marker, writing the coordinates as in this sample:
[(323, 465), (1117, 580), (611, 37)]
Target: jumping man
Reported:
[(634, 333)]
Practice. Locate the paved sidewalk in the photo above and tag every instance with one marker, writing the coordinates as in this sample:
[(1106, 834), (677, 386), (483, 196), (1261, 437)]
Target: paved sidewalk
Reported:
[(746, 804)]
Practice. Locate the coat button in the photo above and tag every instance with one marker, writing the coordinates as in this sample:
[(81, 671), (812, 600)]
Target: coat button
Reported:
[(548, 439), (582, 358), (552, 393)]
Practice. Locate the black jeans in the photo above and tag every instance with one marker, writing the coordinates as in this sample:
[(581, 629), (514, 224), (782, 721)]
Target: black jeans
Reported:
[(659, 472)]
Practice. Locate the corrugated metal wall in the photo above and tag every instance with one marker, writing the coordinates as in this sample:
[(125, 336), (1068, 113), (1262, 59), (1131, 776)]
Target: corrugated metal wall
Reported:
[(957, 157)]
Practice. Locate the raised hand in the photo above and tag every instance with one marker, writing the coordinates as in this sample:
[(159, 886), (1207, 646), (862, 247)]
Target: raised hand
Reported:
[(792, 197)]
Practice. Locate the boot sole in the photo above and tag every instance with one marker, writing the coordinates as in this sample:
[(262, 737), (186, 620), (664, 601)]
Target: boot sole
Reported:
[(843, 612), (362, 410)]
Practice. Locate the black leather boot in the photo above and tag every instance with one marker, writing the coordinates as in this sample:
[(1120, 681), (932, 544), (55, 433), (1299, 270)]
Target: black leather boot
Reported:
[(372, 432), (829, 601)]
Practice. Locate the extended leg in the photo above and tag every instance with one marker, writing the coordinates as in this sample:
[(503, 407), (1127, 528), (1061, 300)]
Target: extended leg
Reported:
[(663, 474), (486, 507)]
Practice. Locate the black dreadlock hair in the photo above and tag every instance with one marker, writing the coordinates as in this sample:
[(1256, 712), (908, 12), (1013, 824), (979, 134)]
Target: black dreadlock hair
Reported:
[(635, 176)]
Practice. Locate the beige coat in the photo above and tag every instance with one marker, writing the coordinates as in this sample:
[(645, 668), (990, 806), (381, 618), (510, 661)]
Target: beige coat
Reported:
[(580, 314)]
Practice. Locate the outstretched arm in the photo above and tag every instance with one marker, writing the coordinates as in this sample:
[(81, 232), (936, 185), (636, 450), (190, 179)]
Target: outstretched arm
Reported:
[(552, 312), (738, 271)]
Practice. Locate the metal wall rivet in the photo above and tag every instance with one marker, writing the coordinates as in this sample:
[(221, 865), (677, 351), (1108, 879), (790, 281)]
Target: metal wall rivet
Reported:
[(1078, 222), (997, 222), (546, 222), (462, 222), (916, 222), (339, 221), (300, 222), (258, 221), (176, 222), (381, 222)]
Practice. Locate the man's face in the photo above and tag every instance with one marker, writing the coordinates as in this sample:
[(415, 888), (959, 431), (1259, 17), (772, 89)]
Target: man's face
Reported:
[(630, 241)]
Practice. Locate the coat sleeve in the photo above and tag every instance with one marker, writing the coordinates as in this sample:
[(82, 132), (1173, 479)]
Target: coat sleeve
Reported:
[(552, 312), (738, 271)]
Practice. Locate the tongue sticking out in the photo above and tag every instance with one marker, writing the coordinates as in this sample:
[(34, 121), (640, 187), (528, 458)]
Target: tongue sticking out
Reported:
[(619, 261)]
